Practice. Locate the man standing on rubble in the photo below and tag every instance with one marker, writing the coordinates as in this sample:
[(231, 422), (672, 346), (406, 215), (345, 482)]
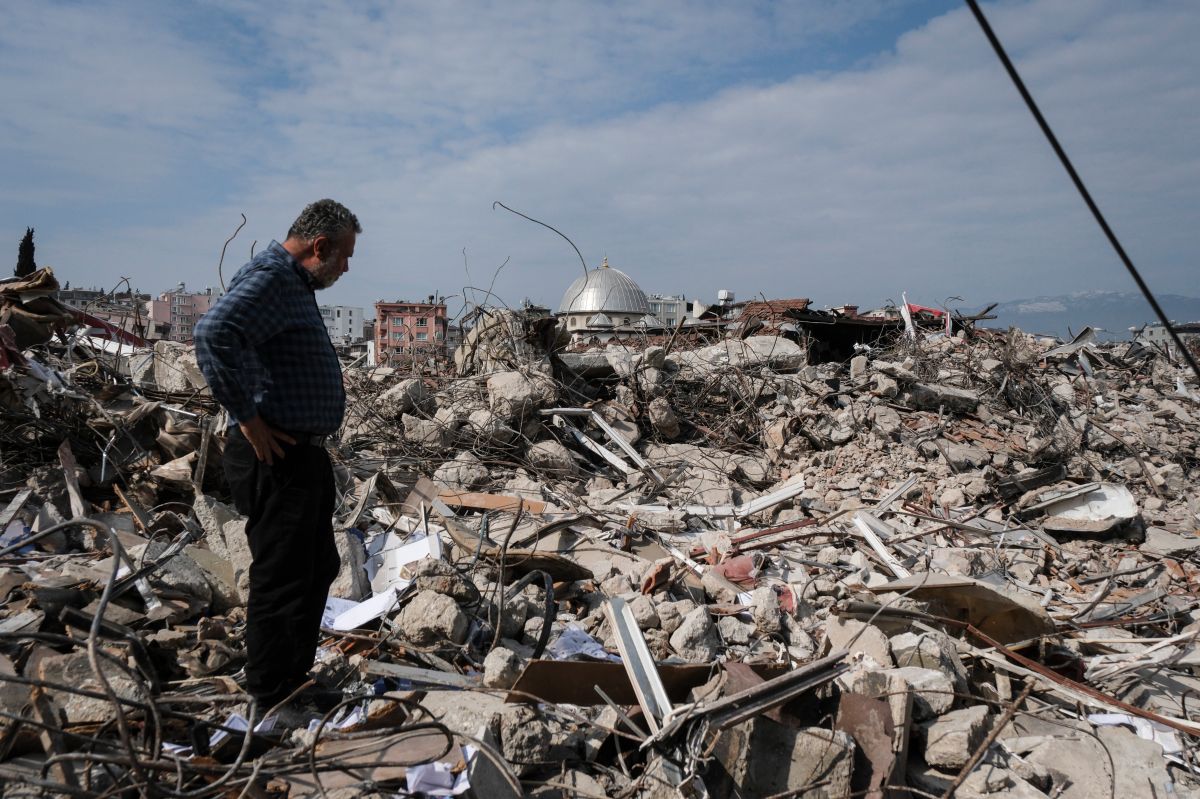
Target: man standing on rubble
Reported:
[(267, 356)]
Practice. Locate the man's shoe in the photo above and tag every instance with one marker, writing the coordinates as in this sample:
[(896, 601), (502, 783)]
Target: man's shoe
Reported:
[(294, 715), (322, 698)]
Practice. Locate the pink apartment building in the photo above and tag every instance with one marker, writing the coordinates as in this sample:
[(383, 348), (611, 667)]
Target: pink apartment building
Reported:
[(409, 331), (180, 310)]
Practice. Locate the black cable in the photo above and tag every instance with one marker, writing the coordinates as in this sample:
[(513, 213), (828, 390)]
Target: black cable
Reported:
[(549, 614), (582, 262), (1087, 197)]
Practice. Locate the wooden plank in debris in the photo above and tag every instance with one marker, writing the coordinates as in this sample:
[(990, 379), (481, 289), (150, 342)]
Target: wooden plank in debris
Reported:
[(202, 460), (478, 501), (863, 522), (423, 493), (14, 507), (140, 517), (67, 458), (25, 620), (426, 677), (376, 760), (364, 496), (54, 740)]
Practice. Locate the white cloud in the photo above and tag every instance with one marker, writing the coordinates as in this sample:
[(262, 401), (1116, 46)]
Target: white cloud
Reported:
[(102, 99)]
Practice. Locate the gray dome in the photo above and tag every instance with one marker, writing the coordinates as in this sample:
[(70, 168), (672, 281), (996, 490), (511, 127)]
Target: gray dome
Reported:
[(604, 290)]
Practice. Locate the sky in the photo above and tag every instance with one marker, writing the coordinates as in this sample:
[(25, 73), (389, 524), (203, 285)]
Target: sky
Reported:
[(841, 150)]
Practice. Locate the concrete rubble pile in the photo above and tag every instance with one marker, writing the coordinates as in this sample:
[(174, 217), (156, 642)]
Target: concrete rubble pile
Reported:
[(951, 566)]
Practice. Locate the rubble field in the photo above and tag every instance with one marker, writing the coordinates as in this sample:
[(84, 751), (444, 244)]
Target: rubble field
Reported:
[(951, 566)]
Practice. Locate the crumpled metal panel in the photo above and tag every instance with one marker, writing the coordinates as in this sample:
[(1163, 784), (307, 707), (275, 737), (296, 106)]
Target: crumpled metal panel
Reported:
[(604, 290)]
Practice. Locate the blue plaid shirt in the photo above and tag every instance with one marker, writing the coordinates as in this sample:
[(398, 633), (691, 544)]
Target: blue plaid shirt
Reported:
[(264, 349)]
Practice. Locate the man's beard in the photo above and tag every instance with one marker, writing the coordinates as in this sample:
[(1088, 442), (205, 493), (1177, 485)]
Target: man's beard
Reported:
[(327, 271)]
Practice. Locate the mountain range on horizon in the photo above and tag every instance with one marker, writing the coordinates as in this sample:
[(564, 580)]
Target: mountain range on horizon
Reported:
[(1111, 313)]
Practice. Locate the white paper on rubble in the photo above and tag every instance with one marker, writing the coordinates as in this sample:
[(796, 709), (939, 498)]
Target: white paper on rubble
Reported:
[(435, 779), (346, 718), (388, 555), (335, 606), (1146, 730), (14, 533), (239, 723), (576, 642), (367, 611), (236, 722)]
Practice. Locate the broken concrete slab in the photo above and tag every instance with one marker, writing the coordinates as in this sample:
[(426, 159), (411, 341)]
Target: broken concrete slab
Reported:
[(763, 758), (858, 636), (695, 639), (951, 738), (75, 669), (431, 617)]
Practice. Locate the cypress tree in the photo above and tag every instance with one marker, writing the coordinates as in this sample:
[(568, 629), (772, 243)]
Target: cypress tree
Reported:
[(25, 264)]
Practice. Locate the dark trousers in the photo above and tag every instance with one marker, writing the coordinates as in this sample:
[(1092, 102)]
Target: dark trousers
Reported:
[(290, 508)]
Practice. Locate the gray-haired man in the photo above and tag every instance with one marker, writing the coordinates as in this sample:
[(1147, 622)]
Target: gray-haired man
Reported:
[(266, 354)]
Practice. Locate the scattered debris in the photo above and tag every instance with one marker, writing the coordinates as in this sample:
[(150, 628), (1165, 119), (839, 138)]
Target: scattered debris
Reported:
[(951, 563)]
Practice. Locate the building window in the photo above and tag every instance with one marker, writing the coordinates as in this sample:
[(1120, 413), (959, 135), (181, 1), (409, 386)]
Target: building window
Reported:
[(422, 336), (574, 322), (625, 321), (398, 336), (438, 335), (422, 323)]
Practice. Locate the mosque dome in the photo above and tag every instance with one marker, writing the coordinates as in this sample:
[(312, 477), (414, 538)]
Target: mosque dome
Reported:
[(604, 290)]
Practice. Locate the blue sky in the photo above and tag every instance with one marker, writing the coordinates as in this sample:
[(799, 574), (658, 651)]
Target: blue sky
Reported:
[(840, 150)]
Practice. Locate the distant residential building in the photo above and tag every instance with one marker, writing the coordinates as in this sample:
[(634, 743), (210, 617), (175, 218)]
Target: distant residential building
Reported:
[(344, 323), (454, 337), (77, 298), (180, 309), (670, 308), (131, 319), (408, 332), (532, 310), (125, 310), (1157, 335)]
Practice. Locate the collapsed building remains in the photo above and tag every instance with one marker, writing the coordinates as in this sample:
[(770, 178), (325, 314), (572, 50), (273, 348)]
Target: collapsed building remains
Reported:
[(947, 565)]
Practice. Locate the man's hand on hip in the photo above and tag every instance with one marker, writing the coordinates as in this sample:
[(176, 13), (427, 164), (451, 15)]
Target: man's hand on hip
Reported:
[(264, 439)]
